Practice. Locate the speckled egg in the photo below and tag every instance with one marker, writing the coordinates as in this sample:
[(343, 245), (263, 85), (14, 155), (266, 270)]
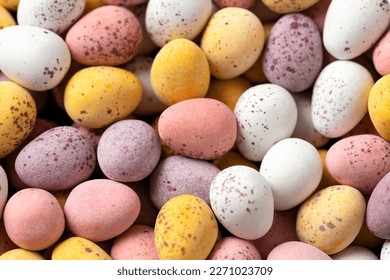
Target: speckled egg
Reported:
[(33, 219), (355, 253), (186, 229), (93, 135), (340, 97), (54, 15), (385, 251), (108, 35), (299, 175), (232, 42), (78, 248), (6, 19), (172, 19), (233, 158), (42, 71), (17, 116), (351, 27), (289, 6), (59, 158), (296, 250), (265, 114), (233, 248), (188, 128), (180, 71), (177, 175), (128, 151), (21, 254), (3, 190), (242, 200), (101, 209), (331, 218), (381, 55), (379, 106), (293, 54), (359, 161), (136, 243), (97, 96)]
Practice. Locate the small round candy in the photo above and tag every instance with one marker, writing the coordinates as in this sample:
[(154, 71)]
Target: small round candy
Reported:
[(297, 250), (289, 6), (381, 55), (233, 248), (21, 254), (355, 253)]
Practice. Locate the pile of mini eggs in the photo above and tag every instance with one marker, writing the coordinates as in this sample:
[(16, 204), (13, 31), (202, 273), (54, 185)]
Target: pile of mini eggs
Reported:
[(182, 129)]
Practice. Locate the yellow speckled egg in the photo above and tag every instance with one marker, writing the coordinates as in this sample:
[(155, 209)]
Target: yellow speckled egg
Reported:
[(233, 158), (98, 96), (10, 4), (288, 6), (21, 254), (78, 248), (326, 180), (186, 229), (379, 106), (180, 71), (6, 19), (331, 218), (17, 116), (232, 41)]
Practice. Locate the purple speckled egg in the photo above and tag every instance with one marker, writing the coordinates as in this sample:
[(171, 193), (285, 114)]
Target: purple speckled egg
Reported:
[(128, 151), (176, 175), (233, 248), (293, 55), (58, 159)]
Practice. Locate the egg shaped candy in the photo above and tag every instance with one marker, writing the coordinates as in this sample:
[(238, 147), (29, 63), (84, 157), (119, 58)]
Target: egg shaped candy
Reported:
[(381, 55), (233, 248), (331, 218), (340, 97), (3, 190), (17, 116), (57, 159), (40, 58), (55, 15), (21, 254), (351, 27), (6, 19), (296, 250), (242, 201), (289, 6), (355, 253), (98, 96), (293, 168), (385, 251), (232, 42), (265, 114), (186, 229)]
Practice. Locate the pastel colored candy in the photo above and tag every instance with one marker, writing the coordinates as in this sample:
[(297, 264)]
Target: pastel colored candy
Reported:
[(297, 250), (3, 190), (381, 55), (233, 248), (355, 253), (21, 254), (289, 6)]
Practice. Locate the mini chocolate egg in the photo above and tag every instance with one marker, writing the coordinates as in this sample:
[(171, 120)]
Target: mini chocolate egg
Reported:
[(355, 253), (41, 71), (232, 42), (296, 250), (186, 229), (109, 35), (128, 151), (21, 254), (340, 97), (3, 190), (233, 248), (174, 19), (6, 19), (242, 201), (200, 128), (101, 209), (57, 159), (385, 251), (331, 218), (33, 219), (78, 248), (180, 71), (299, 175), (381, 55), (265, 114), (289, 6), (54, 15), (351, 27), (98, 96)]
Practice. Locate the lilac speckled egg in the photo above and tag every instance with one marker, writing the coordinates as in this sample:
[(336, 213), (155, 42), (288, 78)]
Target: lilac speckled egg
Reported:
[(176, 175), (108, 35), (378, 208), (101, 209), (58, 159), (128, 151), (136, 243), (233, 248), (359, 161), (297, 250), (293, 55), (3, 190)]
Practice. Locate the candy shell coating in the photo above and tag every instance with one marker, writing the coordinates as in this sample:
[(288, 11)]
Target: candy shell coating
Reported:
[(233, 248), (289, 6), (21, 254), (297, 250), (355, 253)]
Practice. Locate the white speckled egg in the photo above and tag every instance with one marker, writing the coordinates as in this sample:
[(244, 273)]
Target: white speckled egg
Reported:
[(265, 114), (171, 19), (385, 251), (33, 57), (351, 27), (242, 201), (3, 190), (55, 15), (340, 97), (354, 252), (293, 168)]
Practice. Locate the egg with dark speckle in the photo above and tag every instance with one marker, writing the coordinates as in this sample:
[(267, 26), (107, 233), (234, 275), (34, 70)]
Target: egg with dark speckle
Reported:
[(233, 248)]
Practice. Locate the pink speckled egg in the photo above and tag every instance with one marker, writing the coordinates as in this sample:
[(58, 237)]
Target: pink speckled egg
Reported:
[(233, 248), (359, 161), (101, 209), (297, 250), (33, 219), (200, 128), (136, 243), (381, 55), (108, 35)]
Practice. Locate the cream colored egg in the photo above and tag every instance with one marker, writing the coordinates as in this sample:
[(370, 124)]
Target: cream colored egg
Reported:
[(21, 254)]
